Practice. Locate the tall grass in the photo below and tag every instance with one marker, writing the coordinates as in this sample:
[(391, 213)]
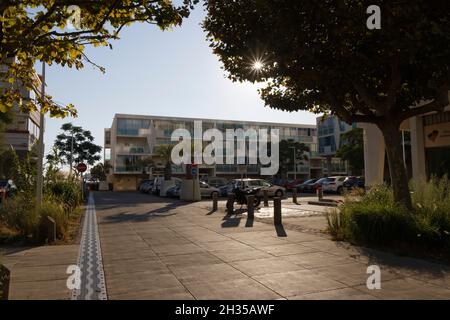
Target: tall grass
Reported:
[(376, 219)]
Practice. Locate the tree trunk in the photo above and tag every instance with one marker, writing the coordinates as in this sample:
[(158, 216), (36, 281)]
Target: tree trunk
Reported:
[(399, 179)]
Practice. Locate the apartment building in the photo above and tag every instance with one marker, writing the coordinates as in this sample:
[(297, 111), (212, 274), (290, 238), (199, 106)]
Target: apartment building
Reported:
[(22, 133), (329, 132), (426, 151), (132, 139)]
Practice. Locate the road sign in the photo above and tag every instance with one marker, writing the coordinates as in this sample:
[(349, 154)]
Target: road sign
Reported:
[(81, 167), (194, 171)]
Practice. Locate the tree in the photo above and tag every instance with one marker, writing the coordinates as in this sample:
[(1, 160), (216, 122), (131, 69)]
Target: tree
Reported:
[(100, 171), (164, 152), (320, 56), (84, 150), (352, 150), (57, 31), (286, 154)]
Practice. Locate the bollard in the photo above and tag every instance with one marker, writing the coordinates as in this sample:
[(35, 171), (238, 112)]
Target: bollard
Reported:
[(50, 224), (5, 277), (266, 198), (250, 208), (230, 203), (215, 198), (319, 193), (294, 195), (277, 211)]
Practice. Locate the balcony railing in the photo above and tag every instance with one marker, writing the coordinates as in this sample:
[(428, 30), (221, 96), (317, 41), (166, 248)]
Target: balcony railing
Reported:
[(129, 169)]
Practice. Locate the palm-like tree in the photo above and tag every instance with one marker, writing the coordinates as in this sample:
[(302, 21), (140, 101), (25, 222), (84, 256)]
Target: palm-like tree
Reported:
[(164, 152)]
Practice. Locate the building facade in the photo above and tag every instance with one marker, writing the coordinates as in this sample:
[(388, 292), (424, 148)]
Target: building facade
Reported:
[(23, 131), (329, 131), (133, 138), (428, 153)]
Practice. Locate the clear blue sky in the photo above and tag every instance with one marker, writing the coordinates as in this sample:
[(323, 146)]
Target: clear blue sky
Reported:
[(170, 73)]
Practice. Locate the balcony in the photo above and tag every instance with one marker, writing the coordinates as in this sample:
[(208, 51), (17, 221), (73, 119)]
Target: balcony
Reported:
[(133, 150), (129, 169)]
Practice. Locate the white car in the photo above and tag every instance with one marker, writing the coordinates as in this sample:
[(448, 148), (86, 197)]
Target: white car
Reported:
[(272, 189), (334, 184), (207, 191)]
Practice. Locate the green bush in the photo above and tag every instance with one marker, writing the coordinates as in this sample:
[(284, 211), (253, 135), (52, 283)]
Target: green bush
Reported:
[(18, 214), (66, 192), (376, 219)]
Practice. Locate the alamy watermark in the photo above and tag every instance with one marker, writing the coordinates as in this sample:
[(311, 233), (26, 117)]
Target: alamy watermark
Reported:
[(242, 147)]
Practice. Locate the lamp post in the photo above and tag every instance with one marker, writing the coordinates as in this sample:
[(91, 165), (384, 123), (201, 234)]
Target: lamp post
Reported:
[(295, 165), (40, 162)]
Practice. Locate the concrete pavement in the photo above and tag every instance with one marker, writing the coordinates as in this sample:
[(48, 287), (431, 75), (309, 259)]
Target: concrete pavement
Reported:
[(156, 248)]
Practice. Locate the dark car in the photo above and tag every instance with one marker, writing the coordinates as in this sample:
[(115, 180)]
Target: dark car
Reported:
[(354, 183), (320, 182), (292, 184), (173, 192), (7, 188), (307, 186)]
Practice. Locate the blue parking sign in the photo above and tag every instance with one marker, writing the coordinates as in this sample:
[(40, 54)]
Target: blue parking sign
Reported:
[(194, 171)]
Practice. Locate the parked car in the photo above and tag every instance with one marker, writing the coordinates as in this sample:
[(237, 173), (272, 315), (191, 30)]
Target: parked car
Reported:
[(173, 192), (307, 186), (216, 182), (146, 186), (143, 183), (208, 191), (319, 183), (292, 184), (334, 184), (156, 187), (7, 188), (273, 190), (223, 190), (353, 183)]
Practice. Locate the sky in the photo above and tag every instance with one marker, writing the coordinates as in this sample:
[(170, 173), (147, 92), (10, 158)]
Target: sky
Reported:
[(154, 72)]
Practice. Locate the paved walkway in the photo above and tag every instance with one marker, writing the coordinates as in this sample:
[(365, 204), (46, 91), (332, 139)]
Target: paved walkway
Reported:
[(39, 273), (157, 248)]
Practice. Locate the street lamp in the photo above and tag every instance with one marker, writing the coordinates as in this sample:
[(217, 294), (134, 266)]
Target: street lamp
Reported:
[(295, 166), (40, 162)]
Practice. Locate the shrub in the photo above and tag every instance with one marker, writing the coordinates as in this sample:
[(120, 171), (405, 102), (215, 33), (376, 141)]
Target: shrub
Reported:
[(55, 211), (66, 192), (18, 214), (376, 219)]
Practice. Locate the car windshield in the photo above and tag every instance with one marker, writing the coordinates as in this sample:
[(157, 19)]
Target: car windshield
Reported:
[(310, 181)]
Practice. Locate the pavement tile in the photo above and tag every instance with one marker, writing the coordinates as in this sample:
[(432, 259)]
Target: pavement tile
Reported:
[(351, 274), (316, 259), (265, 266), (408, 289), (338, 294), (286, 249), (298, 282), (240, 254), (212, 272), (231, 289), (184, 260)]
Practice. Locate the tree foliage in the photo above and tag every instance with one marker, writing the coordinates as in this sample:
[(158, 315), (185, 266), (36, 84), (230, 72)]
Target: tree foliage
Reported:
[(164, 152), (55, 31), (320, 56), (84, 150), (286, 154), (352, 150)]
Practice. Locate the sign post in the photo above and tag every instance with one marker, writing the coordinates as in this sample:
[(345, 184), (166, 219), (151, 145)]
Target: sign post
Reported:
[(194, 174), (82, 167)]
